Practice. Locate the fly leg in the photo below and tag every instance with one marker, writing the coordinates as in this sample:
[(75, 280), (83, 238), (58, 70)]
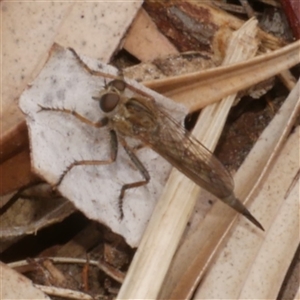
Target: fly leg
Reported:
[(100, 123), (119, 77), (141, 168), (113, 156), (88, 69)]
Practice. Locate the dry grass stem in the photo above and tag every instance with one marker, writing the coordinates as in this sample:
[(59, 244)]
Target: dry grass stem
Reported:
[(65, 293), (253, 267), (214, 84), (205, 240), (159, 243)]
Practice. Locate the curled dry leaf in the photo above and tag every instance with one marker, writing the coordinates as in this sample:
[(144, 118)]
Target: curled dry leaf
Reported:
[(185, 63), (213, 84), (31, 210), (170, 65)]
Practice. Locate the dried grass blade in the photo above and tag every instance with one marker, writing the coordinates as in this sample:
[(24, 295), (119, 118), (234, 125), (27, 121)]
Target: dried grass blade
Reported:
[(214, 84), (159, 243), (204, 242)]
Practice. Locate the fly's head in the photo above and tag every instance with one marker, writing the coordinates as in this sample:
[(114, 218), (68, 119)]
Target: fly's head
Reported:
[(129, 116), (110, 98)]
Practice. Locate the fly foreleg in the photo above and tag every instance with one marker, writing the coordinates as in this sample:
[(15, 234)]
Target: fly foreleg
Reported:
[(102, 122)]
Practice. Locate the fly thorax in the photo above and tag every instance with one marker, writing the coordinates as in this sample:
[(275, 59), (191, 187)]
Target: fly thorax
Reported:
[(141, 117)]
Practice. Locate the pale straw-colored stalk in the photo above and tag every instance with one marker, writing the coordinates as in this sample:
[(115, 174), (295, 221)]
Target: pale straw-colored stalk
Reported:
[(199, 89), (160, 241), (201, 245)]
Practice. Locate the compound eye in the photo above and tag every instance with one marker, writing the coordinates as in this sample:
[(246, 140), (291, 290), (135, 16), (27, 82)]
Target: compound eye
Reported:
[(109, 101), (118, 84)]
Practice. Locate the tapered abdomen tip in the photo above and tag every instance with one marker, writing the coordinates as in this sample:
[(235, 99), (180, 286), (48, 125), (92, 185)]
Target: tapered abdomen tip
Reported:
[(250, 217), (237, 205)]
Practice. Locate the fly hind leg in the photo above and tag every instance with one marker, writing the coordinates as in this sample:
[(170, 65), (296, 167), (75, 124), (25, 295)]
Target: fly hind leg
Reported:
[(141, 168)]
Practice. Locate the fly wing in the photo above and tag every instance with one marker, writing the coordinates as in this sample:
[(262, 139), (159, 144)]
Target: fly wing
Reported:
[(142, 118), (188, 155)]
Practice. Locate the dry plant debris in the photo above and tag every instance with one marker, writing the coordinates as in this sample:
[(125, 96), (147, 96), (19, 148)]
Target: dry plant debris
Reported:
[(100, 31)]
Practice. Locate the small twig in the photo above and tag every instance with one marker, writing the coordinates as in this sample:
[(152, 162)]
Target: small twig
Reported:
[(249, 10), (50, 290), (85, 272), (110, 271), (229, 7)]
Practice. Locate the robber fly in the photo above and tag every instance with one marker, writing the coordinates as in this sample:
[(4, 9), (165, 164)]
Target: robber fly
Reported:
[(143, 119)]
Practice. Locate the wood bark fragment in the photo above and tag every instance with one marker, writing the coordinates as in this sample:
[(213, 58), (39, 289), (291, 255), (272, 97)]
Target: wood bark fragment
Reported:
[(144, 40)]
